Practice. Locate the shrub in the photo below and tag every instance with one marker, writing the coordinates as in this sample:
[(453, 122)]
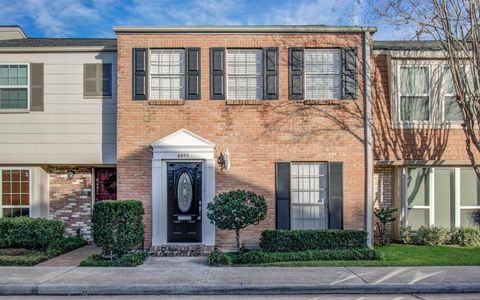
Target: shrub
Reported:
[(236, 210), (260, 257), (117, 226), (476, 217), (406, 235), (465, 237), (132, 259), (384, 216), (218, 258), (25, 232), (64, 245), (29, 258), (302, 240), (431, 236)]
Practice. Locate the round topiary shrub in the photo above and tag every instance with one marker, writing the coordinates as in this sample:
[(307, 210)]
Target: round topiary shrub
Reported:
[(236, 210)]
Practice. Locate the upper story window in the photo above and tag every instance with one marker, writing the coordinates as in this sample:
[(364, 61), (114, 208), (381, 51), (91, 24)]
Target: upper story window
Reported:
[(322, 74), (414, 93), (14, 86), (97, 80), (451, 109), (244, 74), (167, 74), (15, 191)]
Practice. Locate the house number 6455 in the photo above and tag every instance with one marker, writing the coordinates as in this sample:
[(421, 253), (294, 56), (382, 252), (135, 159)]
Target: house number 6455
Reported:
[(183, 155)]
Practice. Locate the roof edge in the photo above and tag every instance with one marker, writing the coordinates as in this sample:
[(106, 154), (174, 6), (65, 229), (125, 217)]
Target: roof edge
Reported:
[(244, 29), (58, 49)]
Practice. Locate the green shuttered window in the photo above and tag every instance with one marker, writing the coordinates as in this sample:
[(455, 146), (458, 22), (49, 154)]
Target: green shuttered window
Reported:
[(14, 87)]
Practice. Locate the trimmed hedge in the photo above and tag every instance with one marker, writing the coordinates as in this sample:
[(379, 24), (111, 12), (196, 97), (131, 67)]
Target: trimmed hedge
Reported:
[(29, 258), (436, 236), (117, 226), (219, 258), (303, 240), (465, 237), (256, 257), (29, 233), (128, 260)]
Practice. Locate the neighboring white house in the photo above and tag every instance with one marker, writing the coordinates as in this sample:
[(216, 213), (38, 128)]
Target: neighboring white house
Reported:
[(57, 126)]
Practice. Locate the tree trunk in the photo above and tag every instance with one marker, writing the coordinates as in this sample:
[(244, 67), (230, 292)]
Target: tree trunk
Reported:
[(237, 232)]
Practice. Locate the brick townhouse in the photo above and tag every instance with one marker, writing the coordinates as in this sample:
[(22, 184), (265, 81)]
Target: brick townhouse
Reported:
[(278, 110), (172, 116)]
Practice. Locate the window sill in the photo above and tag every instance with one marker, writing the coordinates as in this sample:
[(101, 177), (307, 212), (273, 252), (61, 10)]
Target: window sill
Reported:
[(324, 102), (166, 102), (427, 125), (244, 102), (14, 111), (98, 97)]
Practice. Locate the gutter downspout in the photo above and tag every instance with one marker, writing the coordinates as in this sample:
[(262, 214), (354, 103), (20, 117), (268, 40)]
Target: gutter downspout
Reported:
[(368, 140)]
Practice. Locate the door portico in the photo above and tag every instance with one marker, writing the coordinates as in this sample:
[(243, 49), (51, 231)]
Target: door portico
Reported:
[(181, 146)]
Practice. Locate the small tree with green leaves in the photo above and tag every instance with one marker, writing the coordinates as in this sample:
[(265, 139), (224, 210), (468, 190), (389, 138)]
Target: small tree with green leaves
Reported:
[(384, 217), (236, 210)]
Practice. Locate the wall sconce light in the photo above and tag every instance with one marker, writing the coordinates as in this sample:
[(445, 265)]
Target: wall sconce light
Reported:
[(224, 160), (70, 174)]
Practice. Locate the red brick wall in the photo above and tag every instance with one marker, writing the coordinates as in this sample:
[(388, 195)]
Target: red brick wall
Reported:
[(425, 143), (71, 199), (256, 135)]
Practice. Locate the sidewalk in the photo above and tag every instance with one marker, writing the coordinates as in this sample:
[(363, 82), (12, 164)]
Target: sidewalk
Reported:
[(191, 276)]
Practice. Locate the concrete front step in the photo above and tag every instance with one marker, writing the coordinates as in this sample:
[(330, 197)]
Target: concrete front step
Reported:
[(181, 250)]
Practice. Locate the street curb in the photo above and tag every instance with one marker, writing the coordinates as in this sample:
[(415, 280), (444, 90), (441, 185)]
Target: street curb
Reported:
[(236, 289)]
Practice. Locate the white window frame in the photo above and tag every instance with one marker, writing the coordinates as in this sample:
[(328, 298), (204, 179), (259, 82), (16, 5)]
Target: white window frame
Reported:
[(18, 87), (30, 174), (150, 74), (227, 75), (431, 191), (339, 74), (398, 107), (443, 94), (324, 201)]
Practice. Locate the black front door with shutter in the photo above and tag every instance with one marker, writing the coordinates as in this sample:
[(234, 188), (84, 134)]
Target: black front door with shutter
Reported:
[(184, 182)]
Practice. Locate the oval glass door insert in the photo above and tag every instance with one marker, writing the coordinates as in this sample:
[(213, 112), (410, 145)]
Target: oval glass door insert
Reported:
[(184, 193)]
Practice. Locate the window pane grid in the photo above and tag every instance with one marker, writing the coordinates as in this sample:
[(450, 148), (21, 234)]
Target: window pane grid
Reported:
[(414, 93), (14, 86), (244, 74), (168, 74), (322, 73), (451, 109), (15, 192), (308, 195)]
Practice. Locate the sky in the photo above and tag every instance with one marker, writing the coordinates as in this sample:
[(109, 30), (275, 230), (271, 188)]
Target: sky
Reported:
[(96, 18)]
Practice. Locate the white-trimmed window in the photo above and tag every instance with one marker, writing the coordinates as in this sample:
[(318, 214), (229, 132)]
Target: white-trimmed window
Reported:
[(16, 192), (440, 196), (309, 182), (167, 74), (14, 87), (244, 74), (322, 74), (414, 93)]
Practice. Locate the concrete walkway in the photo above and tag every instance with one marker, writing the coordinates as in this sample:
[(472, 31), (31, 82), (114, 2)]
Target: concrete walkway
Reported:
[(72, 258), (190, 276)]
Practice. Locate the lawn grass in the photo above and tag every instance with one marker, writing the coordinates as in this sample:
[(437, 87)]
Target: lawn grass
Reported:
[(403, 255)]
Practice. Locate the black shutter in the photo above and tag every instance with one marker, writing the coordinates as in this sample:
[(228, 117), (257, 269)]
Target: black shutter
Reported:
[(270, 73), (217, 73), (140, 69), (192, 74), (349, 73), (106, 79), (282, 195), (36, 87), (295, 74), (335, 195)]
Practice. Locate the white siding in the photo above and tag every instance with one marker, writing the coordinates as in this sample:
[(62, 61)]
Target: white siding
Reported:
[(71, 129)]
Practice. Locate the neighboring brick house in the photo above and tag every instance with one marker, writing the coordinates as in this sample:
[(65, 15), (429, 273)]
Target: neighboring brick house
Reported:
[(421, 162), (57, 126), (284, 104)]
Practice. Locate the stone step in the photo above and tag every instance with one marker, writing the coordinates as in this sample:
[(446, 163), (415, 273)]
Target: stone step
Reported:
[(181, 250)]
